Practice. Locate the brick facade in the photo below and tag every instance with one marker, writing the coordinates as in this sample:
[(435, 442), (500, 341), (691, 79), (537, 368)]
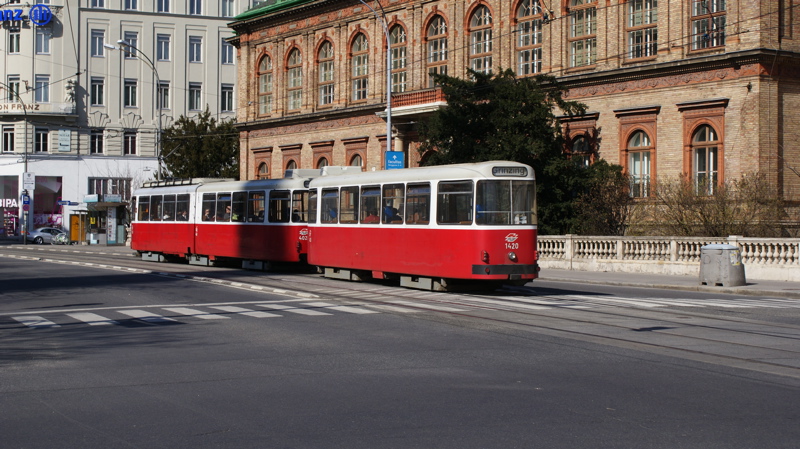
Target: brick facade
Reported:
[(670, 88)]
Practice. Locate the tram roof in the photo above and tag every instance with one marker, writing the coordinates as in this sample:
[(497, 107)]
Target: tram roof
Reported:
[(477, 170)]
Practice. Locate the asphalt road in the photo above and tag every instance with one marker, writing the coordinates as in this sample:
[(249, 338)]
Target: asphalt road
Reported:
[(100, 357)]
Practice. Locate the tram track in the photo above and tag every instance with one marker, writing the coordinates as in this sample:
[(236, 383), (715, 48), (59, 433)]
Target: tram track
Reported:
[(717, 339)]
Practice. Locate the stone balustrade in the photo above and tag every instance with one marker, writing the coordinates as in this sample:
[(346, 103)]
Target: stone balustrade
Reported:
[(764, 258)]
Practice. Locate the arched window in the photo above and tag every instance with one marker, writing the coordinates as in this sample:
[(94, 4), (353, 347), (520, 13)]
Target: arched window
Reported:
[(263, 171), (582, 32), (326, 82), (359, 61), (291, 165), (581, 151), (322, 162), (436, 46), (294, 80), (398, 44), (705, 147), (529, 37), (356, 161), (639, 160), (265, 85), (480, 40)]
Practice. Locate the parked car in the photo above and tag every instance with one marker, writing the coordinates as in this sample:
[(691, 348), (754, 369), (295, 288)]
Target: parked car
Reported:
[(43, 235)]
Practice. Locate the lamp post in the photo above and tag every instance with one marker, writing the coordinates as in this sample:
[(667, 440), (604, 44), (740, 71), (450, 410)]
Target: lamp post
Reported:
[(388, 71), (157, 104), (25, 214)]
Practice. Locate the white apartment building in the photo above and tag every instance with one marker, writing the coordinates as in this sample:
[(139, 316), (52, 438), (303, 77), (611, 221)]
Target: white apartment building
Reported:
[(86, 87)]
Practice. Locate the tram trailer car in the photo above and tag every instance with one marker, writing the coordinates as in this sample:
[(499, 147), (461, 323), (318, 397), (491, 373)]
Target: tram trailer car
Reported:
[(207, 220), (434, 228)]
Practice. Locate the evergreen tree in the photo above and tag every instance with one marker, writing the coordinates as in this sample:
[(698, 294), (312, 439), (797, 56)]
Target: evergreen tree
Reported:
[(201, 147), (501, 117)]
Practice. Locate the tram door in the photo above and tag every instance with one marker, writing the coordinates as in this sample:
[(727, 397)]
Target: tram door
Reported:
[(76, 228)]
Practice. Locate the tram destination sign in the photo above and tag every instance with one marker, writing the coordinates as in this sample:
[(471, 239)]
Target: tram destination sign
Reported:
[(510, 171)]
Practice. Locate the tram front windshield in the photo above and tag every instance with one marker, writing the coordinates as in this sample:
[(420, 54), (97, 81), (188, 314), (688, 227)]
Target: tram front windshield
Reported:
[(505, 203)]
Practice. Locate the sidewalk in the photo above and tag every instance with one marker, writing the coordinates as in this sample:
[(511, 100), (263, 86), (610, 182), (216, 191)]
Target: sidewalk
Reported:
[(754, 287)]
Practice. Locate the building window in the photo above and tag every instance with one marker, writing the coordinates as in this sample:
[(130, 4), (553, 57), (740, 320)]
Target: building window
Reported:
[(227, 56), (399, 59), (582, 33), (131, 5), (196, 7), (195, 49), (41, 140), (708, 24), (129, 143), (294, 80), (13, 42), (42, 89), (480, 39), (195, 90), (529, 38), (111, 186), (96, 141), (13, 87), (265, 85), (581, 151), (227, 8), (359, 60), (162, 47), (130, 94), (97, 49), (640, 150), (8, 139), (436, 46), (97, 91), (642, 30), (263, 171), (226, 96), (132, 39), (162, 6), (163, 95), (326, 87), (98, 4), (43, 36), (705, 147)]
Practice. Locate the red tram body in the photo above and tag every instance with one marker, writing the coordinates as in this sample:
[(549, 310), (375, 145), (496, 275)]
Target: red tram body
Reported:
[(429, 227)]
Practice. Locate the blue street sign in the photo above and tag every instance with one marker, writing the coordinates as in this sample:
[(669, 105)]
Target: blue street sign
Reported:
[(395, 159), (26, 199)]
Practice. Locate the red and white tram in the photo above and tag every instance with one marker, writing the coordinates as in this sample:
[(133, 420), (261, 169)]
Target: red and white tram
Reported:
[(431, 227), (204, 220)]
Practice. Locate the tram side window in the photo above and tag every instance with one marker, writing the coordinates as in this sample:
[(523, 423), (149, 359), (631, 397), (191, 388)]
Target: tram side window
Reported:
[(279, 206), (299, 206), (348, 205), (182, 207), (370, 204), (329, 208), (454, 204), (418, 203), (224, 206), (255, 207), (493, 203), (238, 205), (209, 206), (169, 208), (312, 206), (523, 208), (144, 208), (155, 208), (392, 212)]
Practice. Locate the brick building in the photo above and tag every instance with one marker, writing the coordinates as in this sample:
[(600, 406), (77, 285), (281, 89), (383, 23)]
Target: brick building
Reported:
[(702, 87)]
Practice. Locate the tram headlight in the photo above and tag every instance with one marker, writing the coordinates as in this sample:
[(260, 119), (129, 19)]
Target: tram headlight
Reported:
[(512, 256)]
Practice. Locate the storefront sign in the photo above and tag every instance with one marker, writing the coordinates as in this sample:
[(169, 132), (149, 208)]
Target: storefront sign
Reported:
[(40, 15), (112, 198), (8, 202), (111, 226), (64, 140), (91, 198)]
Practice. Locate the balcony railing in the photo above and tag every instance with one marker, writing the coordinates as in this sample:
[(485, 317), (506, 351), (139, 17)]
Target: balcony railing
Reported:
[(418, 97)]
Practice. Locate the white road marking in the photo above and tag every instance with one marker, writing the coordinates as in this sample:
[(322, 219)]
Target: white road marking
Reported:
[(196, 313), (35, 321), (247, 312), (146, 316), (347, 309), (92, 319), (291, 309)]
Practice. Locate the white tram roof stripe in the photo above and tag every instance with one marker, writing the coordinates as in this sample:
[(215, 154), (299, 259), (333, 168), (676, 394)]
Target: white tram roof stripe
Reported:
[(478, 170)]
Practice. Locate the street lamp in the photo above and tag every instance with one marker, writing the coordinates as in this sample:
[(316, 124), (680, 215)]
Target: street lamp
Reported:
[(143, 57), (388, 71), (25, 214)]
